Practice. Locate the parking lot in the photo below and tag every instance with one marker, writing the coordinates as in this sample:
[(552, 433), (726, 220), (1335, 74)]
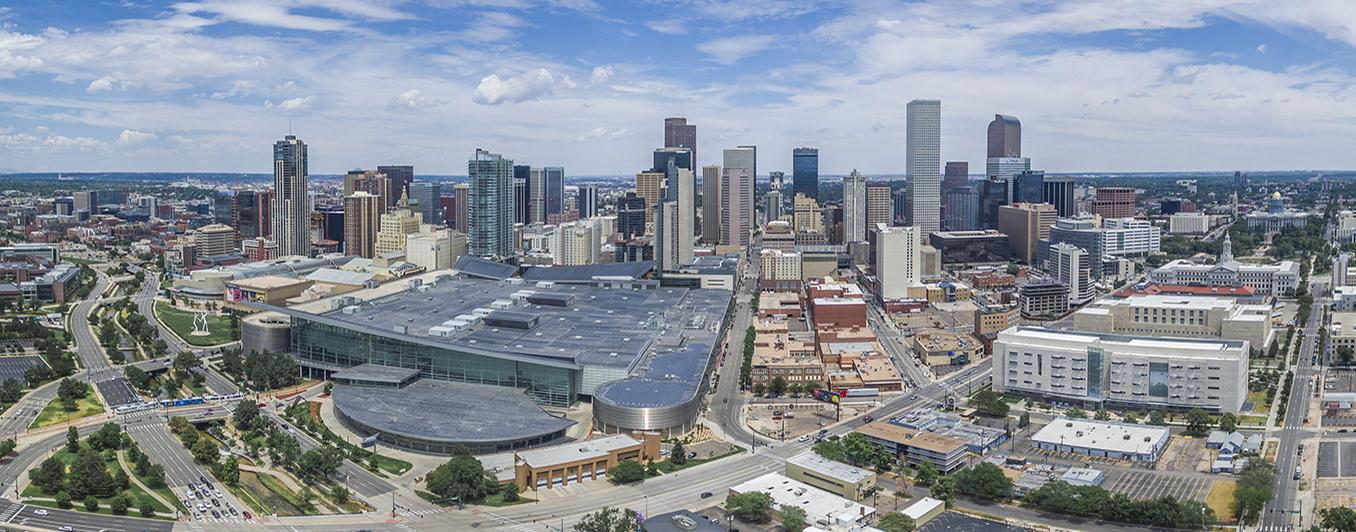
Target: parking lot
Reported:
[(14, 367), (958, 522), (117, 391), (807, 418), (1148, 485), (1336, 459)]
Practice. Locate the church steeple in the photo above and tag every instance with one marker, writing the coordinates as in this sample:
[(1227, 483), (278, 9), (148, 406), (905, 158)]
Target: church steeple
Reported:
[(1226, 252)]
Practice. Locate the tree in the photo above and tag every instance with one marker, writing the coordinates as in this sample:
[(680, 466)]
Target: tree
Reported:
[(11, 391), (138, 378), (626, 472), (678, 454), (147, 510), (1156, 418), (1254, 488), (927, 474), (462, 478), (650, 469), (320, 463), (792, 517), (609, 519), (6, 447), (1345, 355), (778, 386), (509, 492), (89, 476), (229, 470), (120, 506), (984, 481), (1228, 422), (1198, 422), (753, 507), (1022, 421), (1338, 519), (1102, 415), (50, 476), (1076, 413), (72, 440), (1131, 417), (944, 489), (109, 436), (63, 500), (895, 522), (990, 403), (205, 450), (91, 503), (758, 389)]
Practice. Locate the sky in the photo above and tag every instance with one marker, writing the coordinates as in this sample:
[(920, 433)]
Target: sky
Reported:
[(1099, 85)]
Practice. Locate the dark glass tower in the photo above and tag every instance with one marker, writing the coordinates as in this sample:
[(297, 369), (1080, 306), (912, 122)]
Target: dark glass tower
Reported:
[(805, 172)]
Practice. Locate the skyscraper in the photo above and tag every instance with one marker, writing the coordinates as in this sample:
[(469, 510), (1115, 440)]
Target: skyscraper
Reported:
[(681, 157), (248, 214), (401, 176), (1026, 224), (1028, 187), (674, 219), (291, 203), (898, 260), (87, 200), (711, 204), (587, 201), (648, 185), (805, 172), (631, 216), (491, 206), (680, 134), (362, 217), (923, 153), (1072, 267), (962, 209), (736, 196), (522, 210), (1005, 136), (1114, 202), (854, 207), (536, 195), (395, 226), (1059, 191), (461, 199), (957, 175), (880, 205), (425, 196), (554, 190)]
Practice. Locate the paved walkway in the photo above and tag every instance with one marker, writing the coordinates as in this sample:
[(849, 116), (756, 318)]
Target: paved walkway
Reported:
[(122, 461)]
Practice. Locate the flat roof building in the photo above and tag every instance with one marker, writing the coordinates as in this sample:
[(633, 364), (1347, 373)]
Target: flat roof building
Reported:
[(1139, 443), (941, 348), (849, 482), (560, 465), (915, 447), (1179, 316), (820, 507)]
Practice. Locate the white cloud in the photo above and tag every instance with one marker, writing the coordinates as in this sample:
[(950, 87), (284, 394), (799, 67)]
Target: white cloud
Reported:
[(71, 142), (11, 62), (100, 85), (413, 99), (239, 88), (729, 50), (128, 137), (492, 27), (293, 104), (530, 85), (601, 133), (280, 14), (601, 74), (667, 26), (1262, 48)]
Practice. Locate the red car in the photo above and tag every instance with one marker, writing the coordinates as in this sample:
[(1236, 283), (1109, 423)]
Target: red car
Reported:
[(868, 419)]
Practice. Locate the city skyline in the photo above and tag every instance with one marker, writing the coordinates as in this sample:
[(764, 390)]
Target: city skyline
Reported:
[(1213, 85)]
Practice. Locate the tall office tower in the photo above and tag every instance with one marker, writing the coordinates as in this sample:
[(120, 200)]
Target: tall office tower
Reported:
[(1059, 191), (680, 134), (425, 196), (900, 197), (291, 204), (736, 196), (774, 208), (395, 226), (461, 198), (374, 183), (1240, 185), (216, 240), (1005, 136), (248, 214), (648, 185), (522, 197), (776, 180), (401, 176), (362, 217), (576, 243), (1026, 224), (1114, 202), (805, 172), (222, 201), (332, 224), (993, 193), (587, 201), (631, 216), (711, 204), (673, 221), (880, 205), (1006, 169), (491, 206), (1028, 187), (898, 260), (682, 185), (681, 157), (536, 195), (1072, 267), (554, 190), (854, 207), (86, 200), (752, 157), (957, 175), (923, 152), (962, 209), (806, 216)]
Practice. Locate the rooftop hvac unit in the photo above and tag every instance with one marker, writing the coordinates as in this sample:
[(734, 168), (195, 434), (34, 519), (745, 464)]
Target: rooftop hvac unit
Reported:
[(501, 304), (400, 329), (458, 325), (424, 288), (515, 280), (440, 330), (481, 312), (546, 284), (414, 283), (351, 309)]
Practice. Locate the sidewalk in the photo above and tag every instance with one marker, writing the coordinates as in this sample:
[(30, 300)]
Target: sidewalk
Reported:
[(122, 462)]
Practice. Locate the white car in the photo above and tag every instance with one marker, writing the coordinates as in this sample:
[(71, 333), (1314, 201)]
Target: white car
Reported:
[(192, 495), (40, 511), (218, 493), (803, 439)]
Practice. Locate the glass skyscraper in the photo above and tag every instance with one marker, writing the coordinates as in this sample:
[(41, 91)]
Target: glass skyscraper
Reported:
[(291, 203), (426, 195), (805, 172), (490, 210)]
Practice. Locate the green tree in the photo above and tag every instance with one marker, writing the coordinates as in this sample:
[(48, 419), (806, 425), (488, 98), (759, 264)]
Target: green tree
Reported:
[(753, 507), (1228, 422), (1338, 519), (63, 500), (229, 470), (1345, 355), (50, 476), (895, 522), (609, 519), (1156, 418), (792, 518), (984, 481), (1254, 488), (89, 476), (650, 469), (91, 504), (120, 505), (927, 474), (1198, 422), (1022, 421), (1102, 415), (758, 389), (678, 454), (205, 450), (461, 478), (6, 447), (72, 440), (1076, 413), (990, 403), (944, 489), (778, 387), (509, 493), (147, 510), (1131, 417)]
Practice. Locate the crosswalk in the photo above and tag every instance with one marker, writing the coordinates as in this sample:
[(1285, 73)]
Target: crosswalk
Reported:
[(11, 511), (1274, 528)]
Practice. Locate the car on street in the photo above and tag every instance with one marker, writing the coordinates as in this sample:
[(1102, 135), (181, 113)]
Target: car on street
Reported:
[(218, 493), (803, 439), (868, 418), (216, 514), (706, 495), (66, 528), (248, 515), (39, 511)]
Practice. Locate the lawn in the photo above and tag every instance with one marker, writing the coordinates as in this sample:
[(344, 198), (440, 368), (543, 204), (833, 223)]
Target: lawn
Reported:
[(1221, 496), (181, 322), (665, 466), (1260, 406), (54, 414), (259, 493), (133, 491)]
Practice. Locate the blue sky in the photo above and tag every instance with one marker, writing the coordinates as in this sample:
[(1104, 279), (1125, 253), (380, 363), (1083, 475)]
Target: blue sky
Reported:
[(1100, 85)]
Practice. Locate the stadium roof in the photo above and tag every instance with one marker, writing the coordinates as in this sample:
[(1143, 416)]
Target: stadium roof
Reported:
[(583, 274), (483, 413), (485, 269)]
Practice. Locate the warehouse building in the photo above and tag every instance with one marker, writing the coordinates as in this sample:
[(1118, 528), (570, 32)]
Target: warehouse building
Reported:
[(1139, 443), (849, 482)]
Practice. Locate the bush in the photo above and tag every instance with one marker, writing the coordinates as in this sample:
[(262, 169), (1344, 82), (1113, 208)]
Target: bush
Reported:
[(63, 500), (626, 472)]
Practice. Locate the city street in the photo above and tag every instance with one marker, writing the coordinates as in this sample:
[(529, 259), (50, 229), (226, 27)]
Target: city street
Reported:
[(1283, 512)]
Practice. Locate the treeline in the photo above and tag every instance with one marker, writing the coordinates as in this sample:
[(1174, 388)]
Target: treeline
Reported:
[(259, 371), (1096, 503)]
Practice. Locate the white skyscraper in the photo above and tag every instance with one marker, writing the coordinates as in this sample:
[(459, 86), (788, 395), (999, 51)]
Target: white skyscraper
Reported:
[(675, 220), (854, 207), (1073, 269), (923, 153), (291, 207), (898, 259)]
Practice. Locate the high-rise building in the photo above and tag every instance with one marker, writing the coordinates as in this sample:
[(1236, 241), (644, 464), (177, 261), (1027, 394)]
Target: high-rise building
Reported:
[(993, 193), (1114, 202), (247, 214), (711, 204), (648, 185), (674, 219), (923, 153), (86, 200), (291, 203), (1006, 168), (395, 226), (425, 195), (680, 134), (681, 157), (587, 201), (880, 208), (222, 202), (631, 216), (332, 224), (806, 216), (805, 172), (522, 196), (577, 243), (536, 195), (854, 207), (461, 196), (898, 260), (736, 196), (362, 217), (216, 240), (962, 209), (1071, 266), (554, 190), (491, 206), (401, 176), (1028, 187), (1059, 191), (374, 183), (1026, 224), (1005, 136), (957, 175)]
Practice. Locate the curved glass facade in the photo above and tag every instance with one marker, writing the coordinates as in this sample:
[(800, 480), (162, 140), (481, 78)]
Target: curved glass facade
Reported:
[(338, 346)]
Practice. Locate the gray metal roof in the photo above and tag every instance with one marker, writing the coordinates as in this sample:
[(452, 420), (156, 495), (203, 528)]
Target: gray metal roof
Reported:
[(673, 371), (448, 411), (485, 269), (584, 274), (376, 373)]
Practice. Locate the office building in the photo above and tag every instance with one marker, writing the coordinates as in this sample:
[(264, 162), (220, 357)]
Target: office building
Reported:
[(437, 249), (916, 447), (553, 192), (522, 194), (491, 206), (401, 175), (879, 204), (1043, 299), (1118, 441), (1189, 223), (372, 182), (648, 185), (898, 260), (806, 216), (291, 202), (1059, 191), (923, 156), (587, 201), (1005, 136), (331, 220), (461, 200), (86, 200), (1116, 238), (673, 220), (957, 175), (212, 241), (248, 209), (577, 243), (1280, 279), (395, 226), (736, 193), (362, 218), (680, 134), (1028, 187), (1072, 266), (1026, 224), (631, 214), (854, 207), (1179, 316), (969, 247), (425, 197), (962, 209), (1096, 369), (1114, 202), (805, 172), (711, 204), (1006, 169), (993, 193)]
